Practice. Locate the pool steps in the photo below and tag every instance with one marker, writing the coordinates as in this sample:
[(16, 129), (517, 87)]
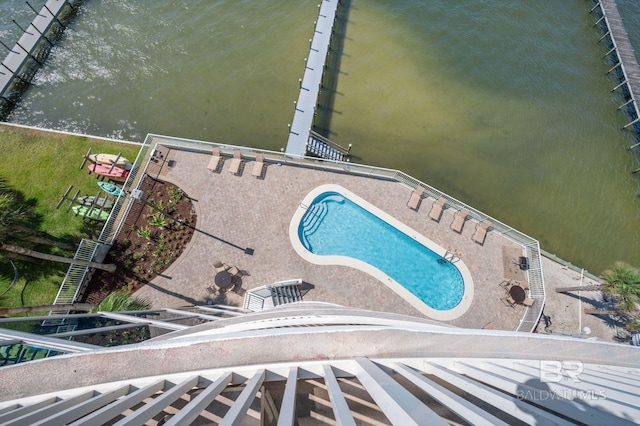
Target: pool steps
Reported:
[(314, 215)]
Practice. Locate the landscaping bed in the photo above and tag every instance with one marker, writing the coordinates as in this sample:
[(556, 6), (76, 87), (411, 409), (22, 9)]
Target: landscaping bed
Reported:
[(154, 235)]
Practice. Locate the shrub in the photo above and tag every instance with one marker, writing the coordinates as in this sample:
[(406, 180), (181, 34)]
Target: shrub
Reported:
[(175, 194), (144, 232), (122, 301), (159, 220)]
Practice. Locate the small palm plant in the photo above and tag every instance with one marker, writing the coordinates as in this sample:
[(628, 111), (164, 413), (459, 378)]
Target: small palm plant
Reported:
[(622, 284), (123, 301), (144, 232), (158, 219)]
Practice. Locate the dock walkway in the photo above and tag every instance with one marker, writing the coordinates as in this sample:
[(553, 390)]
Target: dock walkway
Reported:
[(625, 58), (29, 45), (310, 86)]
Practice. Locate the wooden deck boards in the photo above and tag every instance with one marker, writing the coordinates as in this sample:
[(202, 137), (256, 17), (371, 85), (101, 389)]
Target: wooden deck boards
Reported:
[(28, 43), (310, 86), (624, 50)]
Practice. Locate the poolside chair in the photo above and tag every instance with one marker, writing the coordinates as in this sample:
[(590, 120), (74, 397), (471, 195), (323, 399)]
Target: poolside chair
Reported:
[(436, 209), (481, 231), (233, 271), (219, 266), (507, 285), (528, 301), (458, 220), (508, 301), (416, 198), (258, 166), (214, 162), (234, 168)]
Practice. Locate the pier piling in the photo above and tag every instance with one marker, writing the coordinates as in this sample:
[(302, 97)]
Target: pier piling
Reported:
[(31, 48), (302, 140), (629, 71)]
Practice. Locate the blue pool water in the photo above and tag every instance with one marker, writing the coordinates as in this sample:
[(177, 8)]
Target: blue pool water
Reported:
[(335, 226)]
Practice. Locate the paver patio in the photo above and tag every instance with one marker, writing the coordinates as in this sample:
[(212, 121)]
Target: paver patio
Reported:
[(236, 212)]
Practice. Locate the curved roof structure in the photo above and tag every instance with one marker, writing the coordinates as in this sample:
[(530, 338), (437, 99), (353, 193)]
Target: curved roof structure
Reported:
[(313, 363)]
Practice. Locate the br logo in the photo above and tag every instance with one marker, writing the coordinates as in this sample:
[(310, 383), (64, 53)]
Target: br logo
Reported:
[(555, 371)]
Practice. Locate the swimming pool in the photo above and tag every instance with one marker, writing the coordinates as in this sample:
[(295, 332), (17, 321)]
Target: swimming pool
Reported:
[(334, 226)]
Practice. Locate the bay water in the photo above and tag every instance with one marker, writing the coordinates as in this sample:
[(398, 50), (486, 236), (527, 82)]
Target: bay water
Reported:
[(504, 105)]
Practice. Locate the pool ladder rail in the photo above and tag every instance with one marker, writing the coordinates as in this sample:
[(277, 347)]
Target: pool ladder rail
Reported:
[(311, 221), (450, 257)]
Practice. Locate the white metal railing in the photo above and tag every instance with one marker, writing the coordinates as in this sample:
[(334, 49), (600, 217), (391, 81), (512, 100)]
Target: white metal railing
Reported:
[(504, 367), (122, 205), (76, 274)]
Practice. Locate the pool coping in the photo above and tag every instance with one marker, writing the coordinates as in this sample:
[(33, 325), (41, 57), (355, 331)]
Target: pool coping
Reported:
[(450, 314)]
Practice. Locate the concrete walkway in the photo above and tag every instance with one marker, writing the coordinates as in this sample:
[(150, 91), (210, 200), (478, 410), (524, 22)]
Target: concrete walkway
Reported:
[(565, 310)]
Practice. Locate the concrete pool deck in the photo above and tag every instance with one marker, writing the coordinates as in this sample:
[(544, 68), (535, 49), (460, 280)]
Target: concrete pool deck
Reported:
[(236, 212)]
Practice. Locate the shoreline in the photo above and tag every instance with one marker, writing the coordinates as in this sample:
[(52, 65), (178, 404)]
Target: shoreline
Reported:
[(563, 309)]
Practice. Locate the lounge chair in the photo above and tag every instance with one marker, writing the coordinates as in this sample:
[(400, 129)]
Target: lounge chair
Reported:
[(258, 166), (436, 210), (215, 160), (458, 219), (528, 301), (234, 168), (416, 197), (481, 231)]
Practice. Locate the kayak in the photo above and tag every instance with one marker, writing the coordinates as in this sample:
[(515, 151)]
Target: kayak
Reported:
[(112, 172), (110, 188), (89, 200), (108, 159), (96, 214)]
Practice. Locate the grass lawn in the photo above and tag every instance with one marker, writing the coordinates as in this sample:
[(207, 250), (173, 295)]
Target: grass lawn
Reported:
[(42, 165)]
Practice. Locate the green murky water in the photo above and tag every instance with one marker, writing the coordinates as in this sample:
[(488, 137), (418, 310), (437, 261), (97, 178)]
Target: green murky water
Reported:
[(503, 105)]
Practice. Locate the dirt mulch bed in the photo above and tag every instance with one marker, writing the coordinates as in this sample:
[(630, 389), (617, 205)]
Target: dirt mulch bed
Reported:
[(154, 235)]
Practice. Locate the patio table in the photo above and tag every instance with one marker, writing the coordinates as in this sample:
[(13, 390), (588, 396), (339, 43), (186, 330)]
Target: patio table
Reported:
[(223, 279), (517, 293)]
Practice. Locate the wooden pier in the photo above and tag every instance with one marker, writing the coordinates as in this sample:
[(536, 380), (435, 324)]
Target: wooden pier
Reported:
[(623, 56), (300, 140), (37, 38)]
